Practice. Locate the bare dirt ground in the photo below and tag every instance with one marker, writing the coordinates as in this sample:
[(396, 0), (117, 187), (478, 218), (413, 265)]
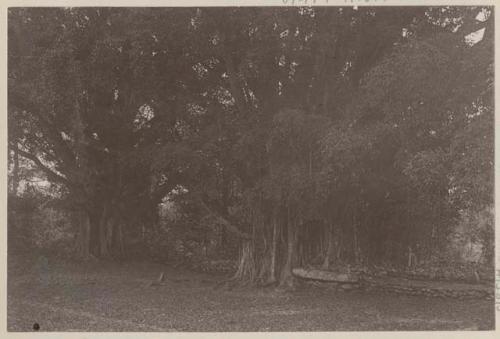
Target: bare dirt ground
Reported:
[(117, 297)]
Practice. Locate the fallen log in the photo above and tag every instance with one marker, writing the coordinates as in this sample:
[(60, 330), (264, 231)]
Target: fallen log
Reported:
[(328, 276)]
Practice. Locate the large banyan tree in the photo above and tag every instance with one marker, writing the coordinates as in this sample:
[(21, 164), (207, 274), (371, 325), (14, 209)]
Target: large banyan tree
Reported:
[(312, 135)]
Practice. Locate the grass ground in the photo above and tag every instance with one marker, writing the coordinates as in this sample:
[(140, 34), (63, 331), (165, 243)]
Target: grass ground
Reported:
[(116, 297)]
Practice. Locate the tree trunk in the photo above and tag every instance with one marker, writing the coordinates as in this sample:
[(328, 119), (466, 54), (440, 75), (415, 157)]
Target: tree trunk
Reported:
[(267, 274), (95, 236), (338, 244), (357, 250), (103, 233), (246, 267), (121, 247), (223, 241), (110, 231), (83, 237), (265, 266), (272, 272), (91, 237), (330, 246), (287, 280)]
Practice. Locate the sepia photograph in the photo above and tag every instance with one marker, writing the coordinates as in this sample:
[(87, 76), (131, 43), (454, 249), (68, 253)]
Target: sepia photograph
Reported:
[(250, 169)]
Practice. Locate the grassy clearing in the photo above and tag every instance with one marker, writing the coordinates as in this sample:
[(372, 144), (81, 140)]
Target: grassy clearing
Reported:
[(116, 297)]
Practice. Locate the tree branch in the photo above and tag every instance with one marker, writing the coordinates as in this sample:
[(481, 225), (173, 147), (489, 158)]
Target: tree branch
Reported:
[(51, 175), (229, 227), (19, 101), (234, 83)]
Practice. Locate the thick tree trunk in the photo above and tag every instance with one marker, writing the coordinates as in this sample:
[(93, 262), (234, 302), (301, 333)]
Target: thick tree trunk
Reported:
[(114, 235), (267, 273), (246, 266), (286, 274), (95, 235)]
